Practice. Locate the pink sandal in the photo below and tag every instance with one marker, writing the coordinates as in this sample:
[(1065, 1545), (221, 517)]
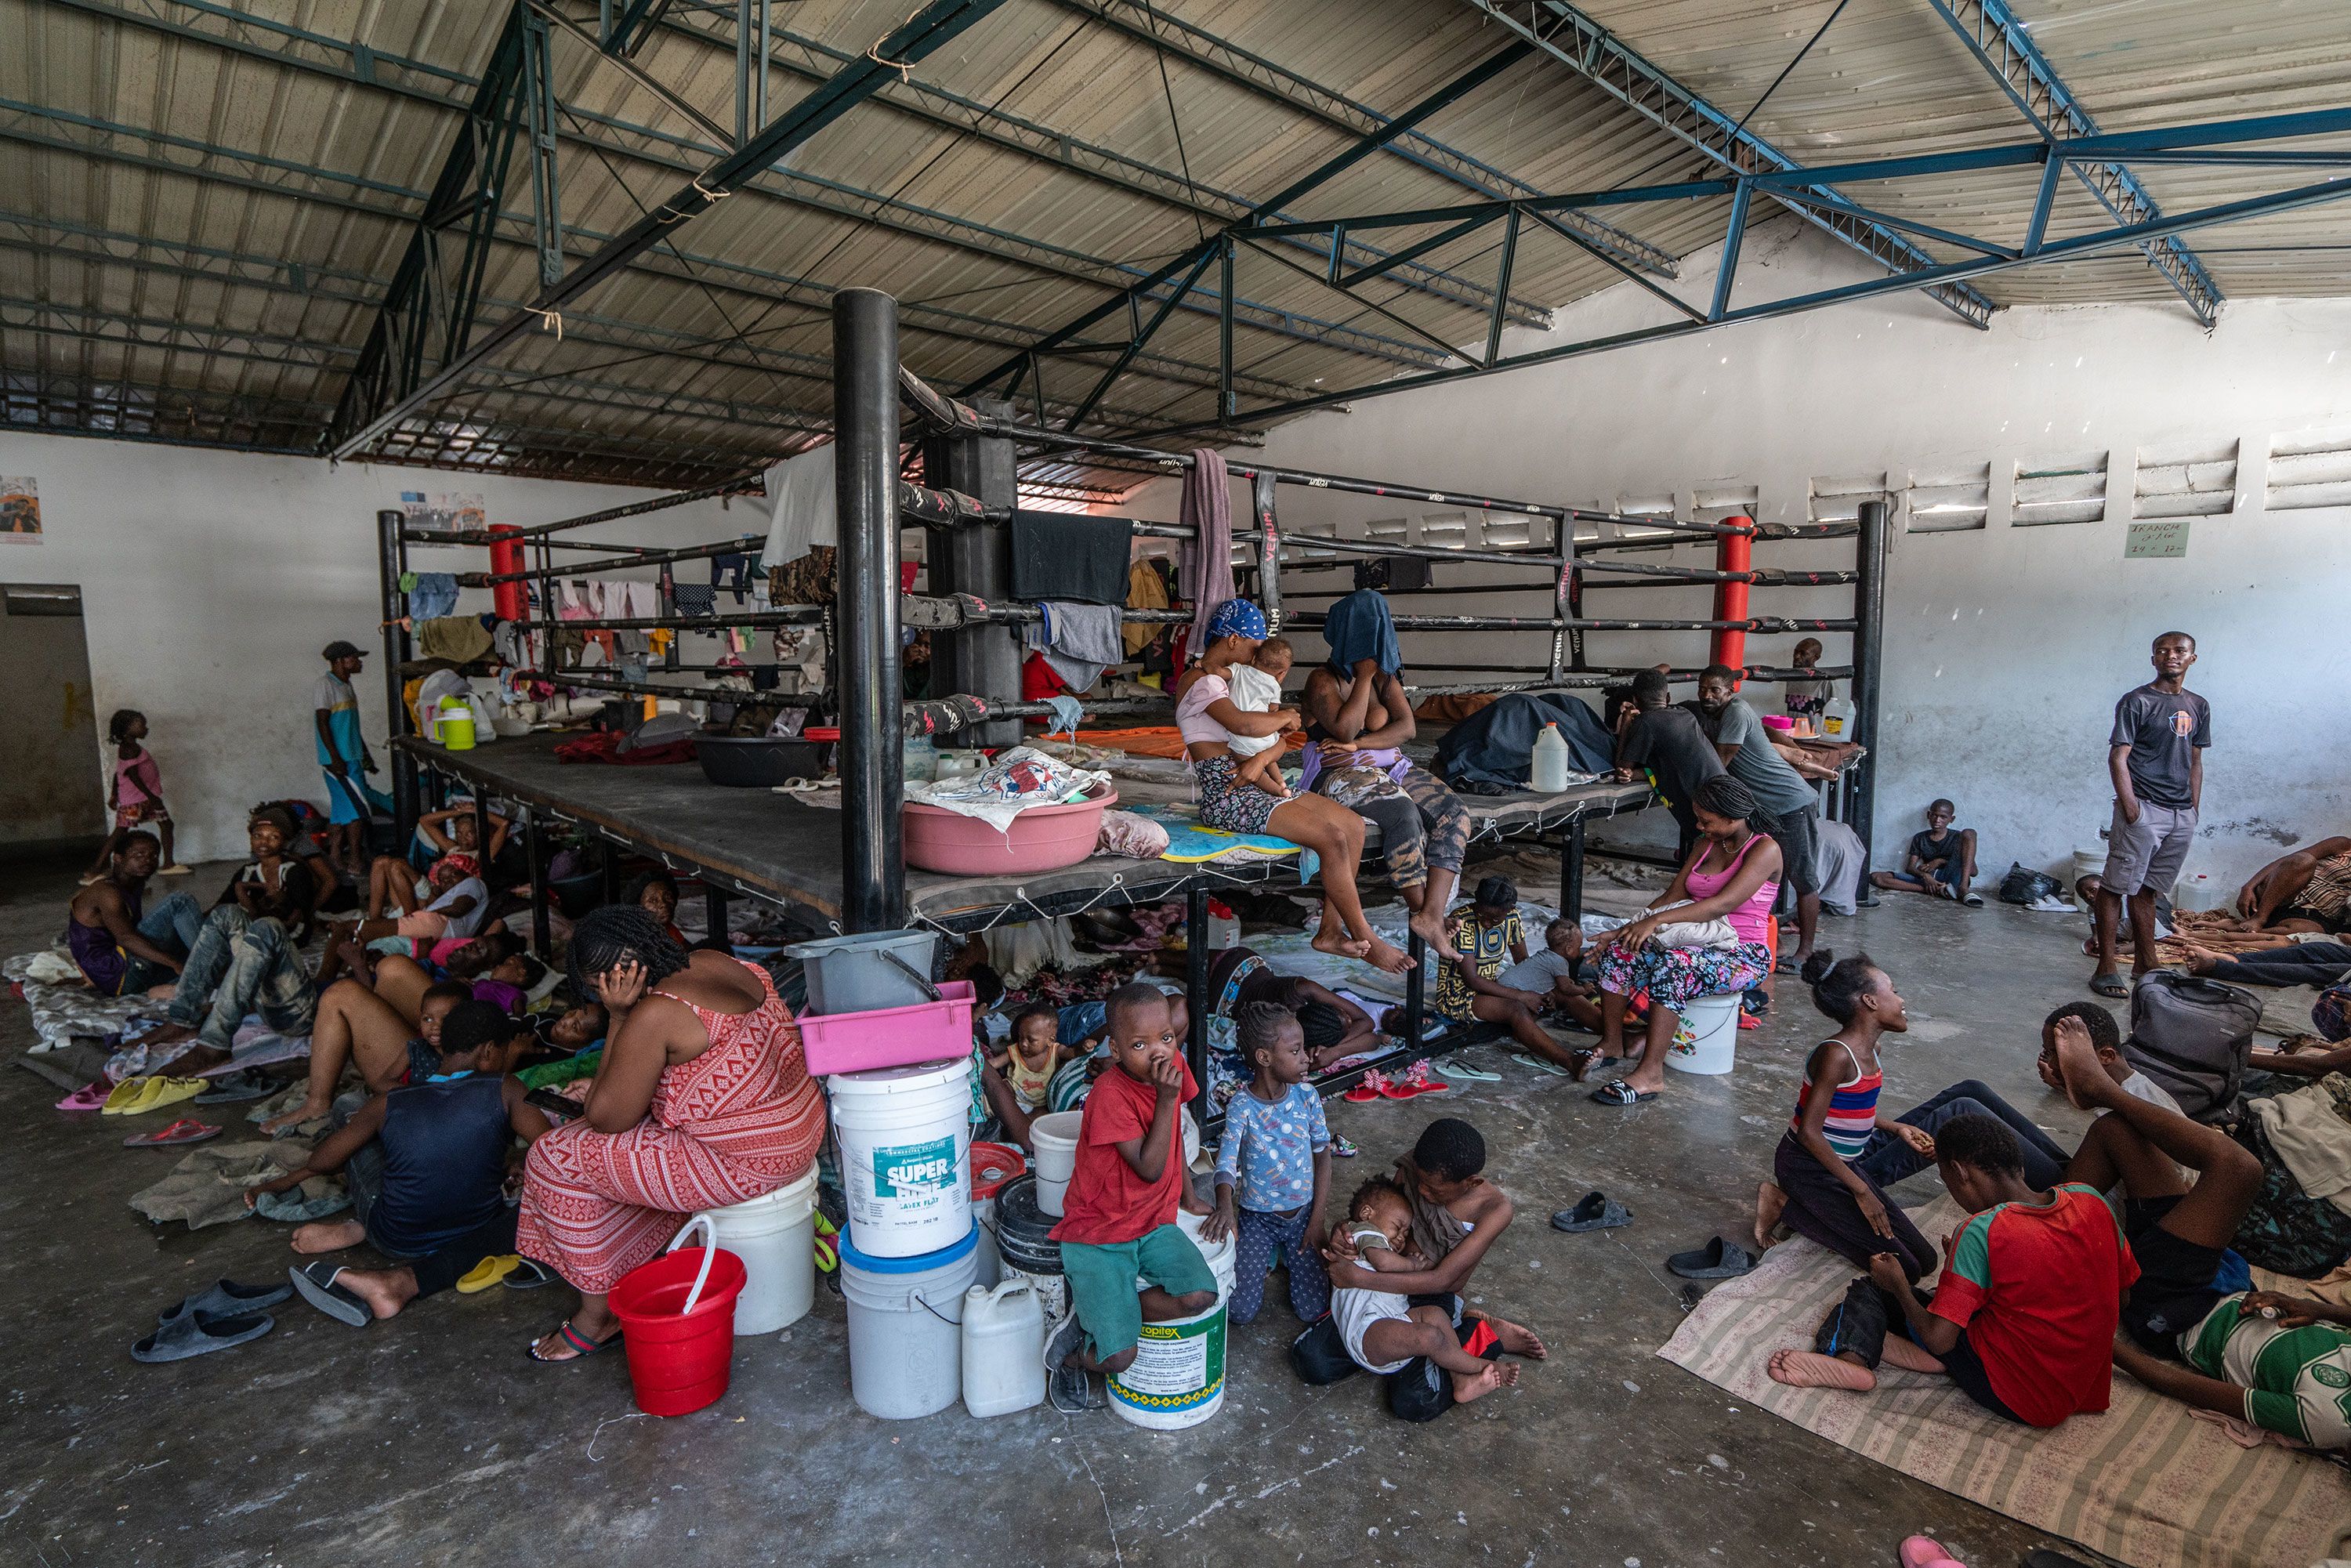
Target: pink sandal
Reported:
[(1925, 1552), (1413, 1084), (88, 1097), (1372, 1086), (186, 1130)]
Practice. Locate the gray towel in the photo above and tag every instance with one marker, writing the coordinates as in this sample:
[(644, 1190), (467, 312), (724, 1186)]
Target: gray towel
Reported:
[(1079, 641)]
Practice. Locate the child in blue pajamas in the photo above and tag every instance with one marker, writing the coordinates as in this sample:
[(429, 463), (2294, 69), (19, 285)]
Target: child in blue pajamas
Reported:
[(1273, 1169)]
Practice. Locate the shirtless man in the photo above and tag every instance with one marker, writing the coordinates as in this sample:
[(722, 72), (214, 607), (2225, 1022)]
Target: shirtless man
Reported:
[(121, 948)]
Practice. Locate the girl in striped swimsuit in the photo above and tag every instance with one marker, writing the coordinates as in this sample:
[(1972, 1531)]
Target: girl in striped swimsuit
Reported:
[(1836, 1112)]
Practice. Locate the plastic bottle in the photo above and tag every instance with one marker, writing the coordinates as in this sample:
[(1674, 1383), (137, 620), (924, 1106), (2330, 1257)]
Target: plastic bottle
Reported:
[(1550, 760), (455, 725), (1836, 719), (1003, 1348)]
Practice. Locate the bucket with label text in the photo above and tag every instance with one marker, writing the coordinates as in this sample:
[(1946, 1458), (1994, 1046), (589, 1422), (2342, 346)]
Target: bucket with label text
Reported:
[(905, 1145)]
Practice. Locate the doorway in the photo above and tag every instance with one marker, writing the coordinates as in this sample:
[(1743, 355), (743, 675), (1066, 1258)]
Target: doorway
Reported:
[(54, 798)]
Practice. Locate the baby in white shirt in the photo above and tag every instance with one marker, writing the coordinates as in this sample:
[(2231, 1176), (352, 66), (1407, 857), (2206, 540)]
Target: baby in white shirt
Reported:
[(1257, 688)]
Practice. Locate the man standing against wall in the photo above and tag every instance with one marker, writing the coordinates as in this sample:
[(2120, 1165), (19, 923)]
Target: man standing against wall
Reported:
[(2156, 756), (343, 756)]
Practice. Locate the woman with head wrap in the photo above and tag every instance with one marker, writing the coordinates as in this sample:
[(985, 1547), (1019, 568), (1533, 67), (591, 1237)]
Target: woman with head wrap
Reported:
[(1208, 720), (703, 1101), (1359, 720), (1733, 874)]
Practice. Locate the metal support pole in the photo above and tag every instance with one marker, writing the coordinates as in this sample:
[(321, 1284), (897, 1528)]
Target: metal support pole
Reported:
[(608, 872), (1868, 669), (1269, 550), (1414, 984), (976, 559), (533, 848), (1733, 552), (1564, 597), (744, 55), (482, 831), (392, 561), (546, 208), (866, 483), (1571, 871), (713, 910), (1196, 995), (759, 96), (669, 607)]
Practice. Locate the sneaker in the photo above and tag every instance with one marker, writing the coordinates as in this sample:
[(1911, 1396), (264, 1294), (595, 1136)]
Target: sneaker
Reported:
[(1343, 1148), (1374, 1086)]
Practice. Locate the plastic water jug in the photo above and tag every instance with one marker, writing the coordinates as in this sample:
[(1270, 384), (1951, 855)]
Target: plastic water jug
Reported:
[(1003, 1348), (1836, 719), (1550, 760), (452, 723)]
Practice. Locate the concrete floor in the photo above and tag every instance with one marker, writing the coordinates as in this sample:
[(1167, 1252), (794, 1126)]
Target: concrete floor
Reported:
[(432, 1439)]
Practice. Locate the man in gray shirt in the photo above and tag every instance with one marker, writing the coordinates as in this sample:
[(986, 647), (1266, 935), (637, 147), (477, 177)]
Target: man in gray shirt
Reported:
[(1745, 746), (2154, 755)]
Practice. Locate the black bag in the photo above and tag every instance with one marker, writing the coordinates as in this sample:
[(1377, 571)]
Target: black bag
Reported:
[(1319, 1355), (2022, 886), (2194, 1037)]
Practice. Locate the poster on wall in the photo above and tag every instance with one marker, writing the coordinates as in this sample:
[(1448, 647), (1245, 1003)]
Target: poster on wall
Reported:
[(443, 511), (20, 512)]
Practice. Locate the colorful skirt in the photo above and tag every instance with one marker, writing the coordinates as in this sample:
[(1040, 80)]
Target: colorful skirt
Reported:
[(1676, 977), (1229, 807)]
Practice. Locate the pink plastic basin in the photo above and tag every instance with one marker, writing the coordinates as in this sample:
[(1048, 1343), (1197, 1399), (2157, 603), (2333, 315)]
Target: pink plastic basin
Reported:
[(1046, 838), (890, 1037)]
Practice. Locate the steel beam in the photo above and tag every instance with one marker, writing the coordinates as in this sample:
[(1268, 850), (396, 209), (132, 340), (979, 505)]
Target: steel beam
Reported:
[(1592, 52), (2003, 46), (378, 406), (1220, 56)]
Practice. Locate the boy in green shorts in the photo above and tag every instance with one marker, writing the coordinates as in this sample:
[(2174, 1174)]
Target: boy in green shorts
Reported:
[(1118, 1220)]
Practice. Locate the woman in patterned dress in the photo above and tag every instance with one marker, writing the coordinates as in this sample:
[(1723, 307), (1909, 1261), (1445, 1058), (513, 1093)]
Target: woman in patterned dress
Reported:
[(702, 1099)]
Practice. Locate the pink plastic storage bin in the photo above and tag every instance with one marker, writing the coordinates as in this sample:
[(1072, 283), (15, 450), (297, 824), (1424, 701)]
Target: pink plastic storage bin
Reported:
[(1046, 838), (890, 1037)]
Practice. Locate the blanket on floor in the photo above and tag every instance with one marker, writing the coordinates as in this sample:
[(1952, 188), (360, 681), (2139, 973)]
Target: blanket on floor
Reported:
[(2146, 1482), (63, 1010)]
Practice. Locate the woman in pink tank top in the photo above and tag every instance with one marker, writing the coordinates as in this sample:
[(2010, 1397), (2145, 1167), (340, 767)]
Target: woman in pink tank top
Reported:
[(1733, 874)]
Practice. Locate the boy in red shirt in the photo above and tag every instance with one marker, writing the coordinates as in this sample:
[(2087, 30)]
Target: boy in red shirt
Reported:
[(2024, 1316), (1118, 1220)]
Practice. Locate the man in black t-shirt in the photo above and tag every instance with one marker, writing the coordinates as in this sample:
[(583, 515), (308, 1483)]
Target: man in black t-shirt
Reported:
[(1667, 742), (2156, 756)]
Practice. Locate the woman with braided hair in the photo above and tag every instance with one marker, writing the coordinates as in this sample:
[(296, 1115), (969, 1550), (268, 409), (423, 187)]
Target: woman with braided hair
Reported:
[(702, 1099), (1732, 874)]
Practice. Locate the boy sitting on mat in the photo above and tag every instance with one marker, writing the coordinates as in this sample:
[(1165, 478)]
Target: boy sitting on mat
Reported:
[(426, 1165), (1118, 1219)]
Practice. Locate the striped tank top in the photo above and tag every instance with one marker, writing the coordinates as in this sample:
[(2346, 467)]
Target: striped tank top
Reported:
[(1853, 1113)]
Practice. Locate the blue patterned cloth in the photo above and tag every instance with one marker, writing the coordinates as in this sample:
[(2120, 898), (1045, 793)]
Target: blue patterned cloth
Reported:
[(1267, 1153)]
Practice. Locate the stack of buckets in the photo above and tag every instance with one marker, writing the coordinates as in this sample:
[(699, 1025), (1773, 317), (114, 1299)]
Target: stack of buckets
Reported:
[(912, 1250)]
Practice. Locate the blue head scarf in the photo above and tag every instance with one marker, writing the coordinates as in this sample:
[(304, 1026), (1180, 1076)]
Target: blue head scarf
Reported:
[(1237, 618), (1361, 626)]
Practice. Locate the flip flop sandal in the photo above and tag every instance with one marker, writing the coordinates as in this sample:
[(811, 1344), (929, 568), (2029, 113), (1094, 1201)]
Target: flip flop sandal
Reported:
[(163, 1091), (582, 1347), (227, 1299), (1973, 900), (488, 1273), (529, 1274), (1720, 1259), (1541, 1064), (199, 1333), (1750, 1020), (317, 1283), (1466, 1074), (90, 1097), (2110, 984), (828, 1246), (1343, 1148), (1594, 1211), (237, 1087), (186, 1130), (123, 1096), (1615, 1093), (1413, 1084), (1371, 1086), (1925, 1552)]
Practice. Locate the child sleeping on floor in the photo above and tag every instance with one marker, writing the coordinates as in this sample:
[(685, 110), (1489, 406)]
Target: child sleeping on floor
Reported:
[(1257, 688), (1384, 1331)]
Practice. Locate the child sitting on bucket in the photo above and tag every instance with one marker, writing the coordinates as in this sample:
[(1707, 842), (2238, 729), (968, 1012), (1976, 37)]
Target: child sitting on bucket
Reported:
[(1385, 1330), (1118, 1219)]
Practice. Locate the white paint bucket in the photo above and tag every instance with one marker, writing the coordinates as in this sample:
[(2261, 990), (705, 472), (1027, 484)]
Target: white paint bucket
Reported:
[(776, 1238), (1177, 1378), (1222, 1257), (1707, 1040), (905, 1145), (1053, 1149), (905, 1327), (2087, 862)]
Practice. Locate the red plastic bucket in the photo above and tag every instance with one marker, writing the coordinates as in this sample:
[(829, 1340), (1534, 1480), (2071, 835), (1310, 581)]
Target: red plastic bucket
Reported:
[(678, 1314)]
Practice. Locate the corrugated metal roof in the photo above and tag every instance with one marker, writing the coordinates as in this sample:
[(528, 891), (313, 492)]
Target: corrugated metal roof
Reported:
[(206, 202)]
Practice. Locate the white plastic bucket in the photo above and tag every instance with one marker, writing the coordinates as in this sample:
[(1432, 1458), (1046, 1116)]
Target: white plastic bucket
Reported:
[(905, 1327), (776, 1238), (905, 1147), (990, 1268), (1222, 1257), (1707, 1040), (1177, 1378), (1053, 1148), (2087, 862), (1003, 1348)]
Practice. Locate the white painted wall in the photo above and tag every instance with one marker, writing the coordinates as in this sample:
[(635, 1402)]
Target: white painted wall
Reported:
[(210, 579), (2006, 647)]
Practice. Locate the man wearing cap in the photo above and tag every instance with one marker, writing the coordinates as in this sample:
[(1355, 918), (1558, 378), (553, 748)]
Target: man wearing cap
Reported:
[(344, 757)]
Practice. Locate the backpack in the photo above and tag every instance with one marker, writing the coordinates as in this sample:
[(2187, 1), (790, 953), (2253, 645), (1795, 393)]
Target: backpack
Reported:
[(2194, 1037)]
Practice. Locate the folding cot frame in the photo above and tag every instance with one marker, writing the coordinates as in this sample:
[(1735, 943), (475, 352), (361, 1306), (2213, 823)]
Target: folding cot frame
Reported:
[(967, 501)]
